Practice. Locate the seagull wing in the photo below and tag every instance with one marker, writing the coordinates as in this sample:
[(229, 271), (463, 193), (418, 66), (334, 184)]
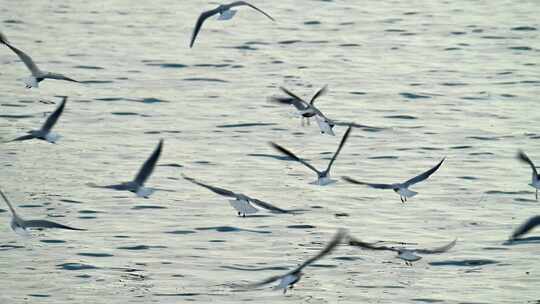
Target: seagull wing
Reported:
[(47, 224), (423, 176), (149, 165), (358, 243), (438, 249), (526, 227), (24, 137), (27, 60), (524, 158), (343, 140), (299, 105), (53, 118), (298, 102), (199, 23), (216, 190), (319, 93), (264, 282), (376, 186), (59, 77), (13, 212), (267, 206), (336, 240), (291, 155), (239, 3)]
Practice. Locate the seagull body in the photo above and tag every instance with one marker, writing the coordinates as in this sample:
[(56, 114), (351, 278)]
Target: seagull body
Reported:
[(288, 280), (37, 74), (242, 203), (535, 180), (18, 224), (400, 188), (45, 132), (409, 255), (137, 185), (527, 226), (323, 177), (225, 13)]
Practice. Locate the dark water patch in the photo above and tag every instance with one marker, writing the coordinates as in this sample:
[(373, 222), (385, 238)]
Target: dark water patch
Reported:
[(301, 226), (30, 206), (217, 241), (480, 153), (508, 95), (181, 232), (95, 254), (13, 21), (458, 33), (4, 247), (357, 93), (431, 149), (53, 241), (520, 48), (243, 125), (88, 67), (243, 47), (144, 207), (289, 41), (452, 49), (488, 138), (171, 165), (466, 177), (383, 157), (278, 157), (186, 294), (280, 268), (149, 100), (395, 31), (523, 28), (413, 96), (349, 45), (35, 295), (425, 300), (203, 162), (461, 147), (454, 84), (169, 65), (2, 210), (96, 81), (465, 263), (323, 266), (205, 79), (139, 247), (530, 81), (84, 276), (341, 214), (210, 65), (15, 116), (109, 99), (313, 22), (76, 266), (507, 192), (495, 248), (409, 117), (69, 201), (231, 229), (125, 113), (90, 212), (494, 37), (524, 200), (348, 258)]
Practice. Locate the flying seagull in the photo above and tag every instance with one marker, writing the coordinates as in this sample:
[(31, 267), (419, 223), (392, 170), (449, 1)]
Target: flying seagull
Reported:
[(306, 109), (400, 188), (535, 182), (292, 277), (19, 224), (45, 132), (225, 13), (137, 185), (323, 177), (37, 74), (409, 255), (242, 203), (525, 227)]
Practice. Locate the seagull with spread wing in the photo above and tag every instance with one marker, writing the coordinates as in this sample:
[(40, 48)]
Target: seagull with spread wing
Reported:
[(400, 188), (535, 181), (524, 228), (409, 255), (306, 109), (323, 177), (18, 224), (37, 74), (225, 13), (242, 203), (137, 185), (45, 133), (292, 277)]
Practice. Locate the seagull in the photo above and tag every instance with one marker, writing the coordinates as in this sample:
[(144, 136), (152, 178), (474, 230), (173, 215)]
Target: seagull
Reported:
[(37, 74), (306, 109), (18, 224), (525, 227), (242, 203), (401, 188), (225, 13), (406, 254), (535, 182), (292, 277), (45, 132), (323, 177), (137, 185)]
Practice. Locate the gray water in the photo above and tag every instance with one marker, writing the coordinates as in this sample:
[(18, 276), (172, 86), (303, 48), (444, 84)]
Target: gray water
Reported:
[(431, 78)]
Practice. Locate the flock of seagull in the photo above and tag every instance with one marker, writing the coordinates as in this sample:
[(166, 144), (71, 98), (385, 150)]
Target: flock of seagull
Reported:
[(243, 204)]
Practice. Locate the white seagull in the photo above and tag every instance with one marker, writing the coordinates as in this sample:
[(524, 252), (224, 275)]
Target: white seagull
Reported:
[(225, 13), (137, 185), (292, 277), (242, 203), (535, 181), (306, 109), (409, 255), (323, 177), (400, 188), (45, 133), (18, 224), (527, 226), (37, 74)]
